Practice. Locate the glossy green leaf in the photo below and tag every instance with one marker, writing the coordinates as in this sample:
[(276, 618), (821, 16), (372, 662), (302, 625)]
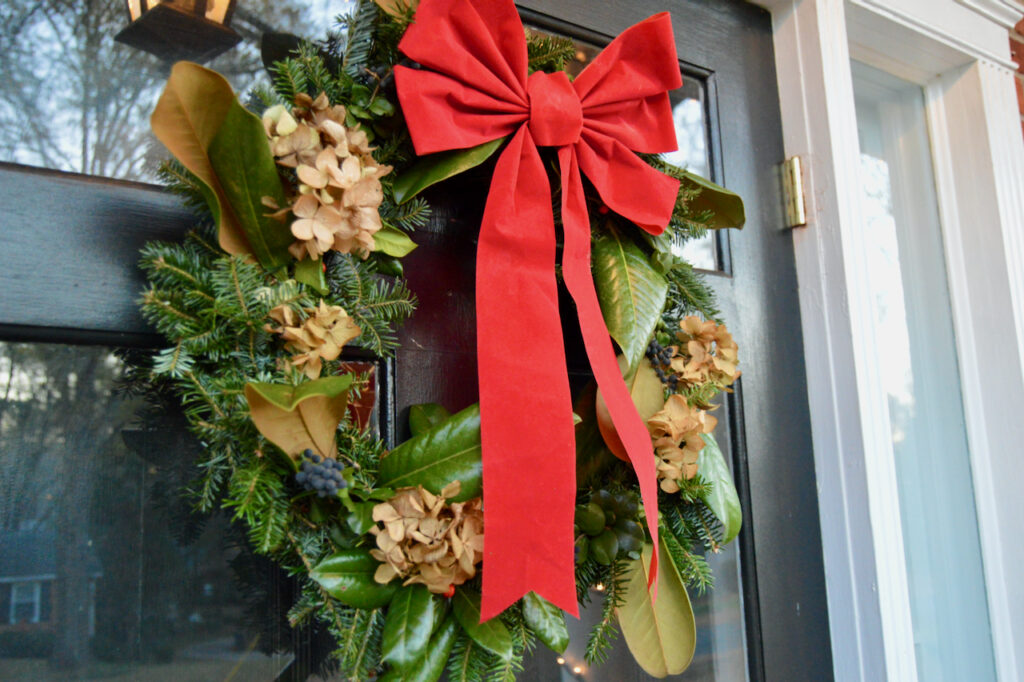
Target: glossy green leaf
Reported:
[(348, 577), (426, 416), (450, 451), (407, 629), (360, 520), (631, 292), (429, 667), (393, 242), (547, 621), (491, 635), (434, 168), (311, 273), (662, 636), (723, 500), (726, 207), (296, 418), (241, 158)]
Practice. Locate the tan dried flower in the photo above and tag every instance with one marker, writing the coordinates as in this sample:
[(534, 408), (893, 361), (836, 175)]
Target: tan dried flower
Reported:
[(677, 432), (421, 538), (318, 337), (706, 353), (337, 201)]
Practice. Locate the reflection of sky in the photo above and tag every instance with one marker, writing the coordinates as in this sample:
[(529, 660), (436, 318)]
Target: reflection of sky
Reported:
[(887, 289), (691, 135), (80, 102)]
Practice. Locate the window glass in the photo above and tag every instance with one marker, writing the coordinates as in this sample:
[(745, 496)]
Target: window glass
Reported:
[(74, 99), (108, 573), (917, 362)]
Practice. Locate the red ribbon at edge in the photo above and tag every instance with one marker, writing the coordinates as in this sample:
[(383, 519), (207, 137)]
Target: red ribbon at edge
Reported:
[(473, 89)]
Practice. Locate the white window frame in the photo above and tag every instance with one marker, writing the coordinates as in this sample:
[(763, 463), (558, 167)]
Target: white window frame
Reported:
[(35, 589), (958, 51)]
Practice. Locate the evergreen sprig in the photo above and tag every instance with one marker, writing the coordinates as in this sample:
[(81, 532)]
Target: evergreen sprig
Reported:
[(604, 634), (547, 52)]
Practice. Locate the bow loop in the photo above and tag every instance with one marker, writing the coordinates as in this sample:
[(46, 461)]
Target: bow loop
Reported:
[(556, 114), (477, 90)]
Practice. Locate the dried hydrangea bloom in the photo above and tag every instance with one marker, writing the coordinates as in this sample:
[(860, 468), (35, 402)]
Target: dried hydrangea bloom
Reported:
[(677, 433), (336, 203), (421, 538), (318, 337), (706, 353)]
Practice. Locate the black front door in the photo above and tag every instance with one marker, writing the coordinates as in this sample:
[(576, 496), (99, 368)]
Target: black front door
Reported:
[(68, 248), (767, 617)]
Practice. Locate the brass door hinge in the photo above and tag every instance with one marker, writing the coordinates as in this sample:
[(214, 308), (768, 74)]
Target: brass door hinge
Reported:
[(793, 192)]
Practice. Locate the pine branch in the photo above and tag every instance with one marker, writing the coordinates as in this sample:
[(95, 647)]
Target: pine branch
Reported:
[(693, 568), (289, 78), (548, 52), (359, 39), (467, 662), (599, 643)]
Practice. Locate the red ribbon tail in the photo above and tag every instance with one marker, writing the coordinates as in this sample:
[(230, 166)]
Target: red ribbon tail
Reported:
[(580, 282), (529, 464)]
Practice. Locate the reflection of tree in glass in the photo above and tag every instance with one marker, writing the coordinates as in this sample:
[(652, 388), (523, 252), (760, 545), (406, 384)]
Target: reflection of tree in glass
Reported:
[(74, 99)]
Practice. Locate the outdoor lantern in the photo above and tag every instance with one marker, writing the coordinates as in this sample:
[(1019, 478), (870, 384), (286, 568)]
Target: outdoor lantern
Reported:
[(195, 30)]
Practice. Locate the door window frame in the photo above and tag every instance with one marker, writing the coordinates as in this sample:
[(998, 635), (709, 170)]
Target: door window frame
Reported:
[(957, 51)]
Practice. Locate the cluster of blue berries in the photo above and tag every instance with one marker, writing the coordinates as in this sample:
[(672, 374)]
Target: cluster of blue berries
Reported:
[(661, 357), (321, 475)]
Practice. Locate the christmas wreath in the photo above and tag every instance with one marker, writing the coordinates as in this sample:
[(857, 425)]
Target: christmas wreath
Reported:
[(307, 197)]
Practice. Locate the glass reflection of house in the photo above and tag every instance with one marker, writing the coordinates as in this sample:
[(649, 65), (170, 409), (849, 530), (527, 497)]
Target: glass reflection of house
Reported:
[(28, 570)]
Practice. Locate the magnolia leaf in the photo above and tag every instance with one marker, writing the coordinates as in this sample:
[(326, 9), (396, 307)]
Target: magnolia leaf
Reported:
[(449, 451), (348, 577), (723, 499), (311, 273), (393, 242), (425, 416), (241, 158), (434, 168), (201, 123), (408, 626), (547, 621), (296, 418), (726, 207), (430, 666), (492, 634), (662, 636), (648, 395), (396, 8), (631, 292)]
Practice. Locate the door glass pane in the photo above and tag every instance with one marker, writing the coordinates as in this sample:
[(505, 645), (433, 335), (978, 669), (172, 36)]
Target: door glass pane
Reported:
[(74, 99), (105, 572), (918, 365)]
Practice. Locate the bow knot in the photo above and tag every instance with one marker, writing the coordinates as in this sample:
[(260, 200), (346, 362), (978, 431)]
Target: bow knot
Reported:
[(556, 113), (473, 89)]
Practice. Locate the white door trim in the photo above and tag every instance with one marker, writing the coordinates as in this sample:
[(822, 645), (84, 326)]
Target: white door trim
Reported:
[(958, 50)]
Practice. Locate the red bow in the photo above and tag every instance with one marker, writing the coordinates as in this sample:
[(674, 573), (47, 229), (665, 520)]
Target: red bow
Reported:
[(477, 90)]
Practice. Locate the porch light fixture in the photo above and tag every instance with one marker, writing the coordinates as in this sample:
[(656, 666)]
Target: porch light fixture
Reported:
[(196, 30)]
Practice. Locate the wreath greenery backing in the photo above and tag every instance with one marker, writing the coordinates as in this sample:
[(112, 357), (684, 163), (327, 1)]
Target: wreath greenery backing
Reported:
[(385, 545)]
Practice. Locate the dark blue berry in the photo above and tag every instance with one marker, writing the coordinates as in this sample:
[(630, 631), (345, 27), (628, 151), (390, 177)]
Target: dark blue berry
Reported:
[(316, 458)]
